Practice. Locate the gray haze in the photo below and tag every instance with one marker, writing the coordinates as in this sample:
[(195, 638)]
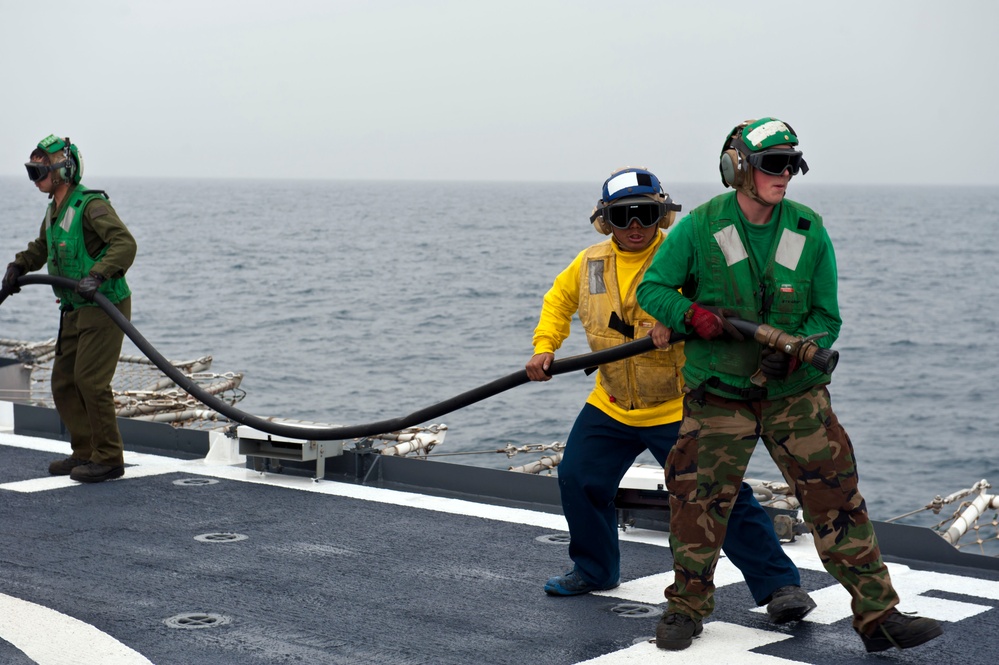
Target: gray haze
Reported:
[(517, 90)]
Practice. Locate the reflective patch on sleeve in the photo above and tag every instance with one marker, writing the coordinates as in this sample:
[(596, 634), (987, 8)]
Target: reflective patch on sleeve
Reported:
[(731, 245), (595, 275), (67, 219), (623, 181), (790, 248)]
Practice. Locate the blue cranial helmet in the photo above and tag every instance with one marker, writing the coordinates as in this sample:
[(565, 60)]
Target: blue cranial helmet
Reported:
[(633, 193), (630, 182)]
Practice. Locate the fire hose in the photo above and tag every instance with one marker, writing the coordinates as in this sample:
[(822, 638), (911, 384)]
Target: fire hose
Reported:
[(804, 349)]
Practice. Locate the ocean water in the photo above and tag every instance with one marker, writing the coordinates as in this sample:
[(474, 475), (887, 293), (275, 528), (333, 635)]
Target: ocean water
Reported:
[(350, 302)]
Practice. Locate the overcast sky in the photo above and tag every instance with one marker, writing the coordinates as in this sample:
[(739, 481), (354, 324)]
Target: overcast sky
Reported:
[(879, 91)]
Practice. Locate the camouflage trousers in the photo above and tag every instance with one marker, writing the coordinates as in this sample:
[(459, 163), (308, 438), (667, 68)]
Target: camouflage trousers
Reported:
[(815, 455)]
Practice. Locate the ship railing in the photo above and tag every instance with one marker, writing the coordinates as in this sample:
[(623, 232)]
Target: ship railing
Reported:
[(141, 391), (972, 524)]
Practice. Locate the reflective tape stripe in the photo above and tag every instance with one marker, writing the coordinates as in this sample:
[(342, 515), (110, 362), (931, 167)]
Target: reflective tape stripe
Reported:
[(790, 248), (731, 245), (67, 219), (595, 276)]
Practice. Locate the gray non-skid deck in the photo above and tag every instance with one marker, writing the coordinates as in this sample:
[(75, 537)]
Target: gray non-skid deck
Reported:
[(322, 578)]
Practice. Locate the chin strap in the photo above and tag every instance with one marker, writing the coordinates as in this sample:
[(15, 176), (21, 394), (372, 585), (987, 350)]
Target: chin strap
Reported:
[(748, 187)]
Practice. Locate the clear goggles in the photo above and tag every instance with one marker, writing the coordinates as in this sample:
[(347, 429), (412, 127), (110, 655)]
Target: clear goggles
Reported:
[(775, 162), (38, 171)]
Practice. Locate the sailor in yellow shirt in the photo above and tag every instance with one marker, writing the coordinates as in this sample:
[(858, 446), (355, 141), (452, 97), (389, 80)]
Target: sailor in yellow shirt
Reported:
[(636, 403)]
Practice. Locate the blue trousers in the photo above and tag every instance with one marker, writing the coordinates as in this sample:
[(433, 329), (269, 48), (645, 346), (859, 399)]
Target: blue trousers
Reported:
[(598, 453)]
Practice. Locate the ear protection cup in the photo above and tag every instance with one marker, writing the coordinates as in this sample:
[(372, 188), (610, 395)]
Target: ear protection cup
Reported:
[(732, 172), (667, 219), (597, 219), (66, 169), (602, 227), (72, 171)]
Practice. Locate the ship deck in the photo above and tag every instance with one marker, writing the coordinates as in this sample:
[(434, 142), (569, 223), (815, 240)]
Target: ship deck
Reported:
[(185, 561)]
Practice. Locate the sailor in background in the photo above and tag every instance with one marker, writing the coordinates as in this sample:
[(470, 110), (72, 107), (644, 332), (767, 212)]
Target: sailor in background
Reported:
[(81, 238), (636, 404), (763, 258)]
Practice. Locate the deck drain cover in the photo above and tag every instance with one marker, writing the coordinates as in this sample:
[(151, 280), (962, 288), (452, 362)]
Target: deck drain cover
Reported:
[(195, 481), (192, 620), (220, 537), (635, 611), (554, 539)]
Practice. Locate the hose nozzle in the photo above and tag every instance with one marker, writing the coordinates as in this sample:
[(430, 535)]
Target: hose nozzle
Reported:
[(803, 348)]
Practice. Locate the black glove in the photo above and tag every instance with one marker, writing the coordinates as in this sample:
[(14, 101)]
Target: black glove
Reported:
[(10, 278), (87, 287), (775, 364)]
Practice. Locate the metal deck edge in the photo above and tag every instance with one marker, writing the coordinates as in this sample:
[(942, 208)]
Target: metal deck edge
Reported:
[(899, 542)]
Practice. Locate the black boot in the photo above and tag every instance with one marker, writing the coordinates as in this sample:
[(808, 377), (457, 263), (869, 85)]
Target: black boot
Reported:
[(902, 631), (676, 631), (789, 603)]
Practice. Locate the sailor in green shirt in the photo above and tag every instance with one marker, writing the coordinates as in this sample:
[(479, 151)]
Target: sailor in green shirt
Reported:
[(81, 238), (636, 403), (758, 256)]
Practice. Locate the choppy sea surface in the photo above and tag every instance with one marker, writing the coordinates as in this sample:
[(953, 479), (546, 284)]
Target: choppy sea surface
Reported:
[(350, 302)]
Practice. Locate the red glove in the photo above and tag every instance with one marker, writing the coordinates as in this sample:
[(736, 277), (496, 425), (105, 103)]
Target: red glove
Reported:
[(706, 324)]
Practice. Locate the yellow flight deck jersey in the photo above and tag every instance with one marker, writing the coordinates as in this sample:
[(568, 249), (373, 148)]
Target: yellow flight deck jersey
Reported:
[(588, 282)]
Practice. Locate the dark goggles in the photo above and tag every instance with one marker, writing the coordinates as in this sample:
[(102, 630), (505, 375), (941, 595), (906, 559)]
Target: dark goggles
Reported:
[(37, 171), (623, 215), (775, 162)]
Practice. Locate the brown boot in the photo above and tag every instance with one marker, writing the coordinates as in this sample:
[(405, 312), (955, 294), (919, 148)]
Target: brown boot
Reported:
[(95, 473), (62, 467)]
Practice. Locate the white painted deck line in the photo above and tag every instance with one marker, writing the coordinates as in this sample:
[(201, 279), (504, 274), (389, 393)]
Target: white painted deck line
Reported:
[(52, 638)]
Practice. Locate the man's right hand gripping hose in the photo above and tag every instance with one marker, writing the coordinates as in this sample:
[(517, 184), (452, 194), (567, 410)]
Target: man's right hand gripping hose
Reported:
[(710, 322)]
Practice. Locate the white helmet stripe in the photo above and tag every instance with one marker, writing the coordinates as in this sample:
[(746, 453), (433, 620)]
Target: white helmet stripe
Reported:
[(621, 181)]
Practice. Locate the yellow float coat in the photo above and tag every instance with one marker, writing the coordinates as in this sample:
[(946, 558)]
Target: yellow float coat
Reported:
[(641, 391)]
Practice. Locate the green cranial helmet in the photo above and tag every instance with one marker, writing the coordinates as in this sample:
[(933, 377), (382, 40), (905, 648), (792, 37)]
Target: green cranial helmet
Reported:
[(759, 144), (63, 153), (766, 133)]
